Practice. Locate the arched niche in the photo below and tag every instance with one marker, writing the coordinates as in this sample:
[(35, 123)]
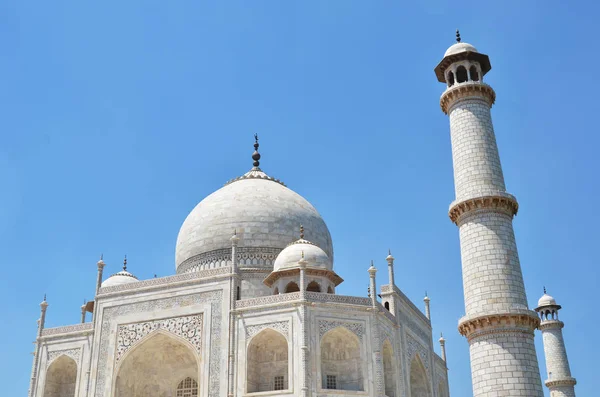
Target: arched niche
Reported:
[(291, 287), (61, 378), (156, 367), (419, 385), (329, 290), (341, 365), (267, 365), (389, 373), (313, 286)]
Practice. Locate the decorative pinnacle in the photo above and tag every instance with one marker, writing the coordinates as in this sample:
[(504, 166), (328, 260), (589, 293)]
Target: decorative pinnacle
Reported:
[(125, 263), (457, 36), (426, 299), (44, 304), (544, 289), (256, 155), (372, 270), (301, 232)]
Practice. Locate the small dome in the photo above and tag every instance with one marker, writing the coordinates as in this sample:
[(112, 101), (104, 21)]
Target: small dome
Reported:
[(459, 47), (546, 300), (122, 277), (291, 254)]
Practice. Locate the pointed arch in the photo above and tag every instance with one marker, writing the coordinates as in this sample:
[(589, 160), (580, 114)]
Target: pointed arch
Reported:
[(61, 377), (461, 74), (313, 286), (389, 373), (291, 287), (419, 384), (156, 365), (342, 366), (267, 366), (329, 290), (276, 291), (442, 390)]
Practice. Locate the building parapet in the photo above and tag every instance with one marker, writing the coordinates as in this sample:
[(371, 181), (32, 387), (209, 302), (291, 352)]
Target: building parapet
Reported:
[(68, 329)]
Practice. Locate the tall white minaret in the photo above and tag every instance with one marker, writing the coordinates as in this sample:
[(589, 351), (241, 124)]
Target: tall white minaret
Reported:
[(560, 382), (498, 324)]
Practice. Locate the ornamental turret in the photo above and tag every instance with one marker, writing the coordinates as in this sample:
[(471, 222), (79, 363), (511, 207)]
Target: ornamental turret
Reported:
[(559, 382), (498, 324)]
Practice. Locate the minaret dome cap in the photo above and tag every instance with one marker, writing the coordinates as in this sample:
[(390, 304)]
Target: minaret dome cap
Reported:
[(547, 300)]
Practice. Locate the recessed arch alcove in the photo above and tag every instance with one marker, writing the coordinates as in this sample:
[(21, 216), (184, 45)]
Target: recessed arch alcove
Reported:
[(342, 367), (267, 365), (156, 366), (61, 378), (389, 374), (419, 385)]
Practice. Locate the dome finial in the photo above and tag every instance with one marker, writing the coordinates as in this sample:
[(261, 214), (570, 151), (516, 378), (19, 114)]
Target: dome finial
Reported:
[(457, 36), (125, 263), (256, 155), (544, 289), (301, 232)]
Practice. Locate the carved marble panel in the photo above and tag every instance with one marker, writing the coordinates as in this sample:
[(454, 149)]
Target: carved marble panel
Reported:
[(281, 326), (75, 354), (188, 328), (357, 328)]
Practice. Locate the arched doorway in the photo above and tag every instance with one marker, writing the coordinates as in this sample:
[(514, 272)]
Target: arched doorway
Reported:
[(267, 365), (389, 375), (419, 385), (61, 378), (341, 364), (157, 367)]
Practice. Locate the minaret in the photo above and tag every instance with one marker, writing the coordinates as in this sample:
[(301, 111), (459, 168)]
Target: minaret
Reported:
[(36, 355), (560, 382), (443, 347), (498, 324), (101, 265), (427, 306)]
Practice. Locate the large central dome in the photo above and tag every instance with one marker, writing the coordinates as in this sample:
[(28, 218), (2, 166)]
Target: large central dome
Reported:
[(264, 212)]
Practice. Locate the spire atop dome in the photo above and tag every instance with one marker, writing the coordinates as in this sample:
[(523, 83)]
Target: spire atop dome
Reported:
[(457, 36), (301, 232), (256, 155), (125, 263)]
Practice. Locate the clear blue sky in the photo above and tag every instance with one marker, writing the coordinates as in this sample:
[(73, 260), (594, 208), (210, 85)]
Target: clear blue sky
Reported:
[(119, 116)]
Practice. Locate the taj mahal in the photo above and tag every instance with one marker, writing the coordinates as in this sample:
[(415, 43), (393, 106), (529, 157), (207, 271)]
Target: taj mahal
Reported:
[(252, 309)]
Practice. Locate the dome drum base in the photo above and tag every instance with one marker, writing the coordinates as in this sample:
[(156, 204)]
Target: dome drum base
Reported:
[(246, 256)]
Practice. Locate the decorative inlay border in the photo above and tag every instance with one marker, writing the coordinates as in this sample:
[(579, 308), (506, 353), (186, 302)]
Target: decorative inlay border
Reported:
[(214, 298), (67, 329), (501, 203), (404, 319), (75, 354), (247, 256), (188, 328), (356, 328), (467, 90), (415, 347), (281, 326), (524, 321)]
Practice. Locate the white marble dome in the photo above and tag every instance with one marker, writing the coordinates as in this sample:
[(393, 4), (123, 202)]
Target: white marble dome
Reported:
[(314, 255), (459, 47), (263, 211), (122, 277), (546, 300)]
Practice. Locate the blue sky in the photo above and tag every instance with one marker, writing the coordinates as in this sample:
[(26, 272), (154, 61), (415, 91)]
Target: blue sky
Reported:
[(118, 117)]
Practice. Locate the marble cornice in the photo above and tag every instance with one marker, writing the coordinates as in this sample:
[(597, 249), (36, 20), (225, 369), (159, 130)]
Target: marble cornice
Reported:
[(566, 381), (71, 330), (519, 321), (501, 202), (467, 90)]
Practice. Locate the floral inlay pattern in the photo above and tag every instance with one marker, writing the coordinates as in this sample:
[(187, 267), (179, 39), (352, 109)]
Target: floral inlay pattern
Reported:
[(188, 327)]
